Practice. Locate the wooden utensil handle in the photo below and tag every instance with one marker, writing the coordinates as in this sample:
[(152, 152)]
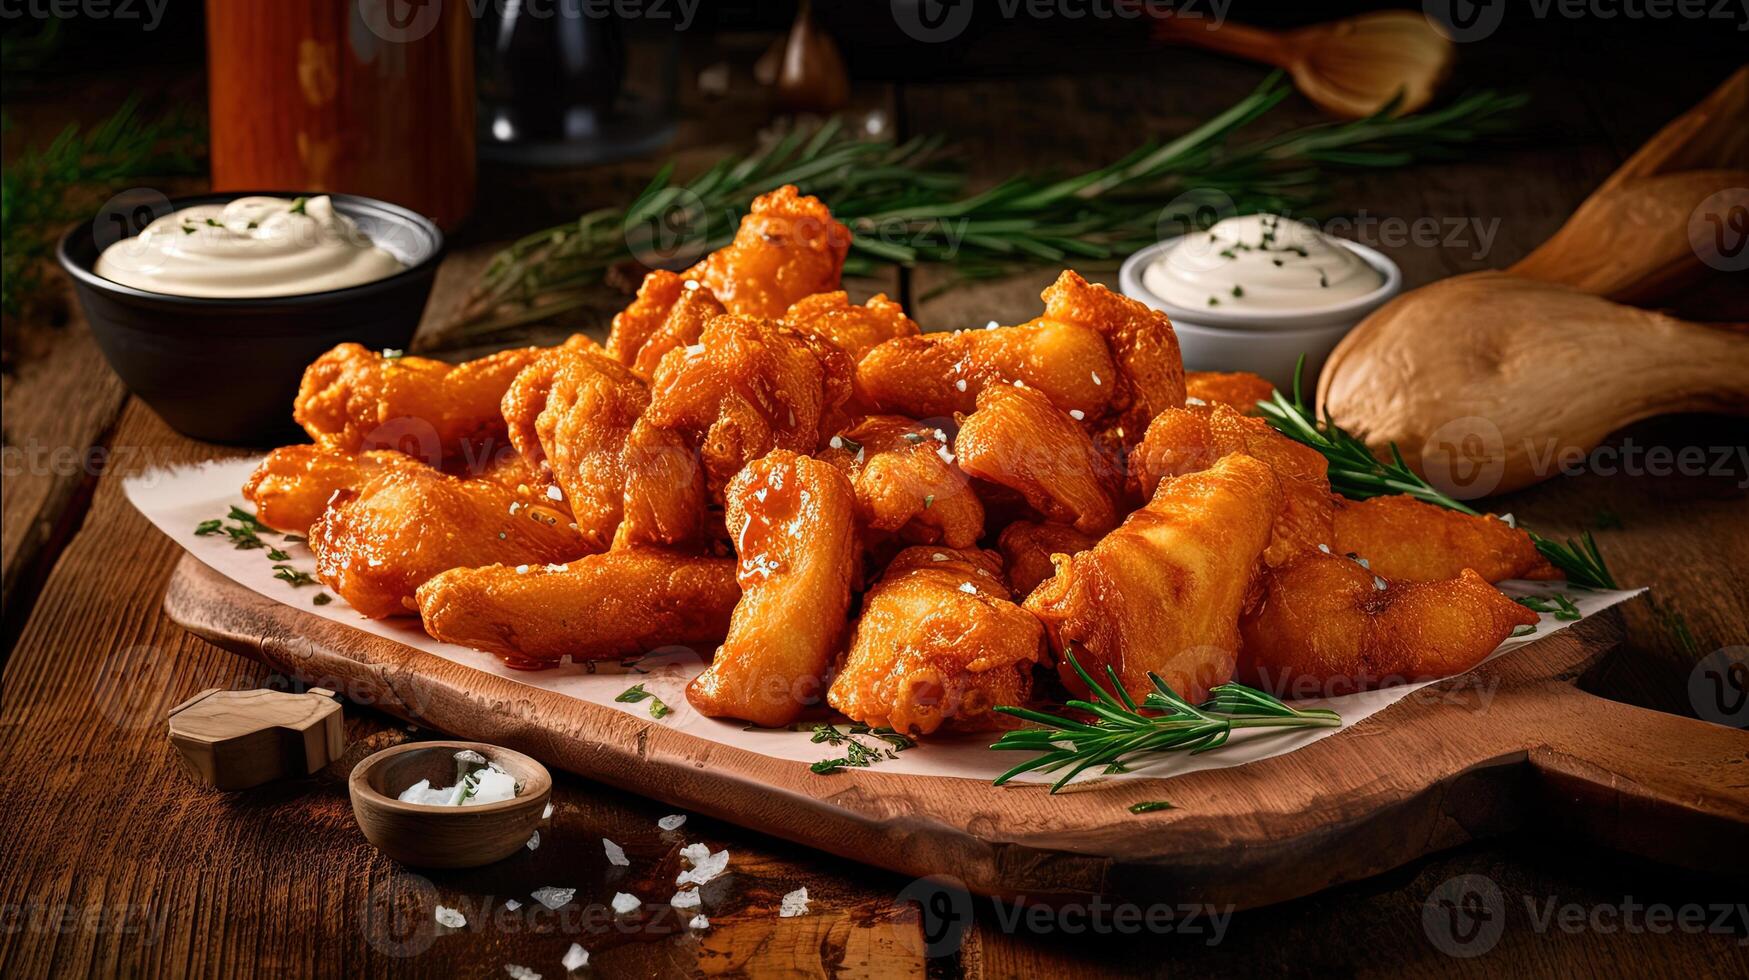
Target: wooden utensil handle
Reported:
[(1661, 786), (1238, 40)]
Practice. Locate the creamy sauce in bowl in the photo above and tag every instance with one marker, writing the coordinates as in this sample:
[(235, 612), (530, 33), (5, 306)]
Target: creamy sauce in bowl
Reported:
[(249, 247), (1260, 263)]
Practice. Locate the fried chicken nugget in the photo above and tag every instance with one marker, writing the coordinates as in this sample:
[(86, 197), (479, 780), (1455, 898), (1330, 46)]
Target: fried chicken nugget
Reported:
[(938, 374), (1328, 626), (1150, 371), (855, 329), (376, 545), (906, 482), (572, 414), (1185, 440), (1028, 547), (940, 642), (293, 484), (792, 519), (354, 399), (1019, 440), (1163, 592), (633, 326), (681, 328), (788, 247), (750, 386), (1238, 390), (1407, 540), (599, 607)]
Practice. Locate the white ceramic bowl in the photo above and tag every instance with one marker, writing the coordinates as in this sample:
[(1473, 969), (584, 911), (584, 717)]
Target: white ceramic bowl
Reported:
[(1265, 342)]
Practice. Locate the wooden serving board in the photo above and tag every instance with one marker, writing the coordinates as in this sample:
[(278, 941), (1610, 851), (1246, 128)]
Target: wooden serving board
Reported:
[(1512, 745)]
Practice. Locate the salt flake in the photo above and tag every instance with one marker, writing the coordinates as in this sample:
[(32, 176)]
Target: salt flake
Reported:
[(616, 855), (624, 903), (553, 898), (672, 821), (452, 918), (687, 899), (794, 904), (576, 958)]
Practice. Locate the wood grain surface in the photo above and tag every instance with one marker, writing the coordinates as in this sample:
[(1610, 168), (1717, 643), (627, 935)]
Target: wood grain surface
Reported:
[(115, 864)]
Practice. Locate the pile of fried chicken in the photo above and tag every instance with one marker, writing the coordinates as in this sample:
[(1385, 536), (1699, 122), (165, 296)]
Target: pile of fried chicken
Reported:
[(915, 527)]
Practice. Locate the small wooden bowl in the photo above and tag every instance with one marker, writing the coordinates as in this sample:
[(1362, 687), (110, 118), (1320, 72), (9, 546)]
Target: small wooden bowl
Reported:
[(427, 836)]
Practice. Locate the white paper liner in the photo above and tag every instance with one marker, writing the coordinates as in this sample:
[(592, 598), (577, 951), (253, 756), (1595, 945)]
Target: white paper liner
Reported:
[(179, 500)]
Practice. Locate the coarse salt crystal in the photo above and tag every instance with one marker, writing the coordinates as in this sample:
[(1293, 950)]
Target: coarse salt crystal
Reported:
[(946, 456), (452, 918), (1378, 583), (1193, 400), (968, 588), (960, 384), (522, 569), (703, 869), (836, 442), (519, 972), (374, 562), (553, 898), (687, 899), (938, 556), (690, 284), (616, 855), (672, 821), (512, 904), (699, 922), (624, 903), (533, 841), (576, 958), (557, 567), (694, 853), (1019, 383), (991, 325), (1096, 377), (1077, 414), (694, 350), (554, 493), (794, 904)]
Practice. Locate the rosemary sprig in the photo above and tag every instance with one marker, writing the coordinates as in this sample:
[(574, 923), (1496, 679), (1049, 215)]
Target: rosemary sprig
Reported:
[(1357, 474), (1119, 729), (907, 203)]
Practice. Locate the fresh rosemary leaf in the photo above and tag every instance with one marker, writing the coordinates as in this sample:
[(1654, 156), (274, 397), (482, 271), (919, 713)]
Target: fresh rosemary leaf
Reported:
[(1120, 729), (208, 527)]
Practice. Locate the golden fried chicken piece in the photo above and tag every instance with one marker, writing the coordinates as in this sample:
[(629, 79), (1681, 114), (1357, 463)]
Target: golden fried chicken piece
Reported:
[(788, 247), (1150, 372), (855, 329), (1019, 440), (354, 399), (1406, 540), (1028, 546), (906, 482), (599, 607), (571, 413), (937, 374), (1328, 626), (749, 386), (375, 545), (644, 316), (1163, 592), (1238, 390), (683, 326), (792, 519), (665, 501), (292, 486), (940, 642), (1186, 440)]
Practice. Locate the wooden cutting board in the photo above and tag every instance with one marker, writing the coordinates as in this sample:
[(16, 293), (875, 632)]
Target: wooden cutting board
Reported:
[(1513, 745)]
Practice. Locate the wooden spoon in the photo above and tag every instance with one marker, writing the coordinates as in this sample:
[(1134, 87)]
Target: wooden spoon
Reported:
[(1489, 382), (1351, 68)]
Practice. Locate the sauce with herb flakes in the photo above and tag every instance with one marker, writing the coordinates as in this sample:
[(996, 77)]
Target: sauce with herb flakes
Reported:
[(250, 247), (1260, 262)]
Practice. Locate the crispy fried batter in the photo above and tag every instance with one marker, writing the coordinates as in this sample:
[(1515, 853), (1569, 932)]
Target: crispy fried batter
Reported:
[(681, 328), (598, 607), (906, 483), (375, 545), (1150, 373), (1328, 626), (292, 486), (1404, 539), (940, 642), (749, 386), (1027, 547), (1186, 440), (354, 399), (571, 413), (788, 247), (1238, 390), (793, 522), (1019, 440), (934, 375), (641, 319), (1162, 593), (855, 329)]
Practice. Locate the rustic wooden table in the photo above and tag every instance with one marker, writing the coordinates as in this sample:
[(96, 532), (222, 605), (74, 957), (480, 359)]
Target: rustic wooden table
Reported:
[(114, 863)]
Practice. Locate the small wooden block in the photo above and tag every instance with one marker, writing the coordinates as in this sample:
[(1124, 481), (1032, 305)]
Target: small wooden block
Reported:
[(233, 740)]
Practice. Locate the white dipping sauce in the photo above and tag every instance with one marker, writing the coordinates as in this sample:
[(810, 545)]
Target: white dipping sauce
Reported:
[(1259, 262), (253, 246)]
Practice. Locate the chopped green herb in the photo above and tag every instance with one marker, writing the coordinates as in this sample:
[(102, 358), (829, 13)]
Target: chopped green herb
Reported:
[(636, 693), (1562, 607), (858, 754), (213, 224), (1214, 302), (297, 206), (274, 554), (322, 599), (1522, 630), (1237, 291), (1149, 806), (208, 527), (295, 538), (286, 573), (928, 501)]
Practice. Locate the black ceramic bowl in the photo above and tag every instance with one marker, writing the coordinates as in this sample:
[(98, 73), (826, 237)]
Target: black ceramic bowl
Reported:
[(226, 370)]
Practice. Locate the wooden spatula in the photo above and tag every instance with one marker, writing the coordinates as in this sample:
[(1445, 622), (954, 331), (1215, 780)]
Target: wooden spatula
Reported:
[(1350, 68)]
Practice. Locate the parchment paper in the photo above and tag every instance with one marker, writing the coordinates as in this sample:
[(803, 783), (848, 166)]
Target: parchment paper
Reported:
[(179, 500)]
